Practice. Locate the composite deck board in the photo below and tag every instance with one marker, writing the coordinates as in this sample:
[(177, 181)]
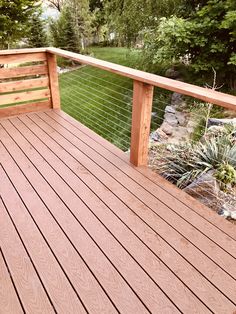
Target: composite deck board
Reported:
[(164, 196), (201, 286), (144, 287), (116, 156), (98, 235), (197, 238), (122, 234), (8, 296)]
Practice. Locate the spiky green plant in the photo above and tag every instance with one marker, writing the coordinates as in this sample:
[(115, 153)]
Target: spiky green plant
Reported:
[(184, 163)]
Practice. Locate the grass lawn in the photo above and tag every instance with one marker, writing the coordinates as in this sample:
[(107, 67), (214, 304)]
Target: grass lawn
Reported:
[(99, 99)]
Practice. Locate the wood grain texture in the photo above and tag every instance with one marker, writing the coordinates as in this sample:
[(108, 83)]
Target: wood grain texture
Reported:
[(188, 275), (145, 176), (56, 284), (24, 96), (176, 216), (27, 282), (143, 255), (9, 301), (19, 109), (24, 84), (53, 78), (208, 95), (116, 287), (21, 51), (193, 255), (141, 122), (22, 58), (84, 282), (23, 71), (102, 218)]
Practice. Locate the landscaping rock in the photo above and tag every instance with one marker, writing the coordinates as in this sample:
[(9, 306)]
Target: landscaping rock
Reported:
[(219, 122), (170, 109), (176, 100), (171, 119), (205, 189), (172, 73), (181, 117), (158, 136), (167, 128)]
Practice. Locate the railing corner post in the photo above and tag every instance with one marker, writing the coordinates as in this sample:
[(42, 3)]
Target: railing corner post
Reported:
[(53, 80), (141, 122)]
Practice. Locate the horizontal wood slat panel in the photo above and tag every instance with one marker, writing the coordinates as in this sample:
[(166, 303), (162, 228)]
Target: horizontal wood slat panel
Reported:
[(27, 57), (23, 71), (23, 84), (15, 110), (24, 96)]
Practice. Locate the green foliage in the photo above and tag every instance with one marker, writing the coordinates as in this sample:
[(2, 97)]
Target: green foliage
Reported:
[(205, 39), (128, 17), (15, 17), (73, 28), (63, 31), (226, 174), (188, 161), (36, 35)]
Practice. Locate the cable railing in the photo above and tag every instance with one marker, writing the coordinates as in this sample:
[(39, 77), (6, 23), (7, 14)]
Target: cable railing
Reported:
[(134, 111), (100, 103)]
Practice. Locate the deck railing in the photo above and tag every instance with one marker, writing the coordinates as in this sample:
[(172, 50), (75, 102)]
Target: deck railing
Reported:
[(35, 87)]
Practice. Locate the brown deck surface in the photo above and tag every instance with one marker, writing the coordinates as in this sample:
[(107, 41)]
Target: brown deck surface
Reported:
[(83, 231)]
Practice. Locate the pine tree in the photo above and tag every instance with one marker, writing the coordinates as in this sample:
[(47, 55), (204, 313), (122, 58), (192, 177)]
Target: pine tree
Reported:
[(15, 16), (37, 36)]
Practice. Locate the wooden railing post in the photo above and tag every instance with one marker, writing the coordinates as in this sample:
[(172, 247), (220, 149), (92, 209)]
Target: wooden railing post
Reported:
[(53, 80), (141, 121)]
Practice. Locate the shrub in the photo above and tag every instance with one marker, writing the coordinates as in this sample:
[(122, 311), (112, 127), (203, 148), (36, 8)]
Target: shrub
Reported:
[(186, 162)]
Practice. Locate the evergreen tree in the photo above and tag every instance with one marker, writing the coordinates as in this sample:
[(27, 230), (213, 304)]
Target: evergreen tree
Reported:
[(63, 31), (15, 16), (37, 36)]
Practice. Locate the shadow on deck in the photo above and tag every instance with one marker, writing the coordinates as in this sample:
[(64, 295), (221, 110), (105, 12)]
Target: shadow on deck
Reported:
[(83, 231)]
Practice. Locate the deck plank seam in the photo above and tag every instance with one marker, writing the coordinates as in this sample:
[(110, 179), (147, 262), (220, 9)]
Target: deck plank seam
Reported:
[(59, 227), (211, 240), (26, 207), (140, 173), (9, 272), (25, 248), (46, 206), (125, 223), (98, 220), (85, 229)]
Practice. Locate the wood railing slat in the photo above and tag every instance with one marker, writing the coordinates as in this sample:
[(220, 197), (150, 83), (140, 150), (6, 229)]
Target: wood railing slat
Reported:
[(24, 84), (21, 51), (23, 71), (25, 108), (21, 58), (24, 96)]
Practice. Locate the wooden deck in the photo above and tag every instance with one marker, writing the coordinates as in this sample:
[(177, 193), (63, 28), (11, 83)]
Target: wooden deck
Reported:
[(83, 231)]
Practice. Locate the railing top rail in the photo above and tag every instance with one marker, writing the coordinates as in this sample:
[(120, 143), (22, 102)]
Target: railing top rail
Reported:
[(208, 95)]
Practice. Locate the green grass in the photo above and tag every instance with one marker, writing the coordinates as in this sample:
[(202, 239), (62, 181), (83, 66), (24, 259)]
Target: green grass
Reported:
[(102, 100)]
